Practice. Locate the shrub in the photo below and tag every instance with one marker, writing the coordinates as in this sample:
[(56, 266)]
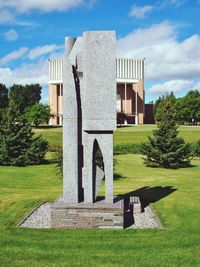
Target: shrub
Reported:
[(127, 149), (195, 148)]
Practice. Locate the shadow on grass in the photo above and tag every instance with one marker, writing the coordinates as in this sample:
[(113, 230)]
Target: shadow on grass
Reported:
[(148, 194), (123, 126), (118, 176), (47, 127)]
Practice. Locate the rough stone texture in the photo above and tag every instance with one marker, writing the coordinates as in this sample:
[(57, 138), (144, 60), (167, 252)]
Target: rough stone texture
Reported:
[(136, 204), (89, 114), (41, 218), (137, 208), (99, 177), (146, 219), (99, 74), (105, 142), (70, 129), (82, 215)]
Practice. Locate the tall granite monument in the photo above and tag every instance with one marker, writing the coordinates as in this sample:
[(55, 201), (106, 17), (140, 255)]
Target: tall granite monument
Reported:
[(89, 119), (89, 114)]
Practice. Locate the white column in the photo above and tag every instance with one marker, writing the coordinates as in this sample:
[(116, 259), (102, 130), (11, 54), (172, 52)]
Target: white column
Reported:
[(125, 98), (60, 104), (136, 104)]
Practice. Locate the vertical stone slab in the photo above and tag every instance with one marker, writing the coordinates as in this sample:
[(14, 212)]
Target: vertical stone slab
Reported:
[(70, 129), (87, 170), (89, 112), (107, 150), (99, 104), (99, 74)]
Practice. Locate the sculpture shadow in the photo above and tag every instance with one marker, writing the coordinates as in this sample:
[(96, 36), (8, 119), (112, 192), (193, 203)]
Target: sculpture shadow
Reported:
[(117, 176), (79, 132), (47, 126), (147, 195)]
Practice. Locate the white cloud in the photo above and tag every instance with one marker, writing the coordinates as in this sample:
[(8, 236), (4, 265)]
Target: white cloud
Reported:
[(34, 53), (167, 58), (176, 3), (43, 50), (42, 5), (174, 85), (14, 55), (197, 86), (25, 74), (36, 72), (140, 12), (6, 16), (11, 35)]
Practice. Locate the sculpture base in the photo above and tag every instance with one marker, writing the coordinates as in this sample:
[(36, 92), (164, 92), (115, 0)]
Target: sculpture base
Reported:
[(82, 215)]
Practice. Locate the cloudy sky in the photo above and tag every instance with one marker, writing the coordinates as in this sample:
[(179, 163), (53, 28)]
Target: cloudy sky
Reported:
[(164, 32)]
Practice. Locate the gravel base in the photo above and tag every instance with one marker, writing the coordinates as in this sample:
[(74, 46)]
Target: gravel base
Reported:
[(146, 219), (40, 218)]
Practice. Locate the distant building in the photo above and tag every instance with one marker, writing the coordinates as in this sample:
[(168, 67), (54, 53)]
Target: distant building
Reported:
[(129, 86)]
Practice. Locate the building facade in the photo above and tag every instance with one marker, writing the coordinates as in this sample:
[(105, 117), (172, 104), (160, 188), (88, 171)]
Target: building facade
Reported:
[(129, 89)]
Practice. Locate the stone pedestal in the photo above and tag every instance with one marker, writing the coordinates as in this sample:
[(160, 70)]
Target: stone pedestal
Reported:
[(82, 215)]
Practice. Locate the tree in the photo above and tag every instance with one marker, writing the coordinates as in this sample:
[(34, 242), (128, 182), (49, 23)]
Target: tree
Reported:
[(18, 147), (162, 98), (25, 96), (3, 96), (165, 149), (188, 108), (38, 113)]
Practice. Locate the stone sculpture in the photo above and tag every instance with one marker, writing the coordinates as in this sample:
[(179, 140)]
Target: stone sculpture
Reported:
[(89, 115)]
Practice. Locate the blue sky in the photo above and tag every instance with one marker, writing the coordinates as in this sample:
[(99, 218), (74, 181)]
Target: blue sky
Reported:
[(165, 32)]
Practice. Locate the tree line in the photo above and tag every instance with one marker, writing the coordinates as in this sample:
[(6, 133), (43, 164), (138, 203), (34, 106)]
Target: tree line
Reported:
[(186, 109), (19, 109), (27, 101)]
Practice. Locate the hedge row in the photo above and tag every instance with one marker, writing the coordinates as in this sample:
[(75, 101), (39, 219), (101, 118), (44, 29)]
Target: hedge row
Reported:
[(136, 149)]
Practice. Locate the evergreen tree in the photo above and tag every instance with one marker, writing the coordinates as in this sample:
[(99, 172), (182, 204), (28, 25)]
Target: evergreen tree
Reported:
[(171, 96), (3, 96), (18, 147), (165, 149)]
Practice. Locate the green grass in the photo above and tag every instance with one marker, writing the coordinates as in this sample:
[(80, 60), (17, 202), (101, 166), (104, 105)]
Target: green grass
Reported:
[(126, 135), (21, 189), (175, 245), (138, 134), (52, 134)]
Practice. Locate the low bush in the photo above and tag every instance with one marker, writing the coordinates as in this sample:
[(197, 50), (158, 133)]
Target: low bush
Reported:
[(195, 149), (127, 149)]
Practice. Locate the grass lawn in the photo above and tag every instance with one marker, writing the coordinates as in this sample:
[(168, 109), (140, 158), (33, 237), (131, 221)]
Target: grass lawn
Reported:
[(173, 193), (175, 245), (126, 135)]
